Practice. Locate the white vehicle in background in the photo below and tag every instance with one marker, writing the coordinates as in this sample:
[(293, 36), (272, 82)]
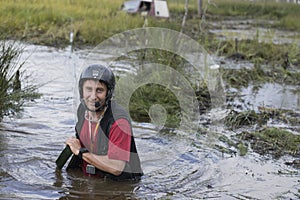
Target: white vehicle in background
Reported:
[(157, 8)]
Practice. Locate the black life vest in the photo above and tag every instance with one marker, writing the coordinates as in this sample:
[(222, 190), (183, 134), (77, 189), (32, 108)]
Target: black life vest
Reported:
[(113, 112)]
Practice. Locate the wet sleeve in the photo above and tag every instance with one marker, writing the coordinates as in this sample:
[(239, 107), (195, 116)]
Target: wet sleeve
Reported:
[(120, 139)]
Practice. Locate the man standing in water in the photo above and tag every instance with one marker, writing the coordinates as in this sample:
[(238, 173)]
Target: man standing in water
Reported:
[(104, 145)]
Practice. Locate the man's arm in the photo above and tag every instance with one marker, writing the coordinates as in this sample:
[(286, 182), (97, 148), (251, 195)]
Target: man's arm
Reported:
[(114, 167), (118, 152), (103, 163)]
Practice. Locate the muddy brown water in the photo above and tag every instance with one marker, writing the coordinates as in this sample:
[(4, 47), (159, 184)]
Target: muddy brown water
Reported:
[(176, 166)]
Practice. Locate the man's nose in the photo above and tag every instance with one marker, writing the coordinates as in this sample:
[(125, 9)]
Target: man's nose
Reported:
[(93, 94)]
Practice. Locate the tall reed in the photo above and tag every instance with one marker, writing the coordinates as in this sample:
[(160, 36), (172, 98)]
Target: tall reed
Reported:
[(12, 93)]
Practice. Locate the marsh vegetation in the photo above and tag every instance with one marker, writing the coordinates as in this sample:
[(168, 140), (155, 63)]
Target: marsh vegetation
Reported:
[(14, 91)]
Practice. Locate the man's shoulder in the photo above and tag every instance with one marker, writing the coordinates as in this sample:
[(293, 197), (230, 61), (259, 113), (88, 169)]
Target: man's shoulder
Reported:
[(119, 111), (117, 107)]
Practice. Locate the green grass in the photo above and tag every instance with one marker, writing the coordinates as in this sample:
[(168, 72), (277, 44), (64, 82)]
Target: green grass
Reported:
[(165, 95), (274, 141), (146, 96), (92, 21), (50, 21)]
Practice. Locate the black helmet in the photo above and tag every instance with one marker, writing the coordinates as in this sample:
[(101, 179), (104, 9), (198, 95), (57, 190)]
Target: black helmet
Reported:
[(101, 73)]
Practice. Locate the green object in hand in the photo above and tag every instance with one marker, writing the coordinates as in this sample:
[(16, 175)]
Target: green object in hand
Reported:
[(63, 157)]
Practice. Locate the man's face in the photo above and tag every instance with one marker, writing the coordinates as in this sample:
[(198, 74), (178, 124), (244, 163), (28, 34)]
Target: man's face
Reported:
[(93, 92)]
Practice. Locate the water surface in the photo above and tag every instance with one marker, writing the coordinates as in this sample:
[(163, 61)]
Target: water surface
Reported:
[(176, 166)]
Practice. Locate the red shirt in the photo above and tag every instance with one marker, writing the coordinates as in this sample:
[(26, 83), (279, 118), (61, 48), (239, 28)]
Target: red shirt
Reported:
[(119, 139)]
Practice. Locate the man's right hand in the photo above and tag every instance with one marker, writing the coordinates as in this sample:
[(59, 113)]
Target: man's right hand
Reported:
[(74, 144)]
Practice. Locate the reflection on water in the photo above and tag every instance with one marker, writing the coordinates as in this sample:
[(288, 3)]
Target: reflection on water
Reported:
[(283, 97), (82, 187), (176, 166)]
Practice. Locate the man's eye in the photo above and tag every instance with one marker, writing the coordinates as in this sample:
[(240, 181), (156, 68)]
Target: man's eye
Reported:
[(99, 90)]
